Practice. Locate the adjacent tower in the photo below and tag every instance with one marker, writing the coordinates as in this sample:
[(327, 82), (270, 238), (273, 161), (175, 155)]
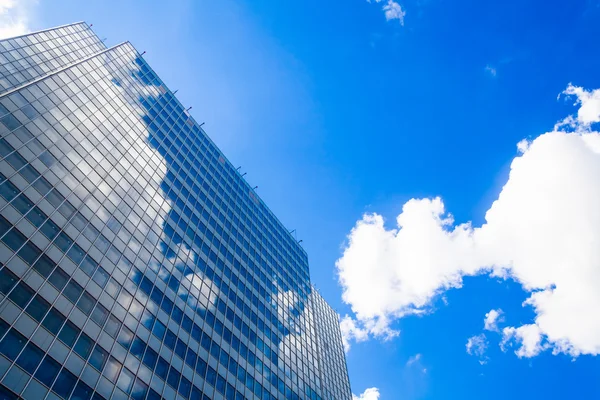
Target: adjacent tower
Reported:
[(135, 261)]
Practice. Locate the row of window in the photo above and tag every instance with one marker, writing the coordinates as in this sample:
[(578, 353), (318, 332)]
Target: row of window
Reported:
[(86, 302), (59, 200), (234, 184), (13, 127), (26, 58)]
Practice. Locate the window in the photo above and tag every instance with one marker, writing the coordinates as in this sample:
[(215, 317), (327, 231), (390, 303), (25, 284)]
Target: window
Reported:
[(185, 387), (44, 266), (86, 303), (100, 314), (139, 390), (6, 394), (138, 347), (38, 308), (64, 384), (12, 344), (21, 295), (170, 339), (73, 291), (68, 333), (47, 371), (150, 358), (125, 337), (159, 330), (180, 349), (53, 321), (211, 376), (112, 326), (162, 368), (101, 277), (191, 358), (7, 280), (83, 347), (112, 369), (30, 358), (173, 378), (59, 278), (98, 358), (125, 381), (14, 239), (82, 392)]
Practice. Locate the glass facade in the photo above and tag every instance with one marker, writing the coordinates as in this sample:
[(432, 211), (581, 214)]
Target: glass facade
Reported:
[(135, 261)]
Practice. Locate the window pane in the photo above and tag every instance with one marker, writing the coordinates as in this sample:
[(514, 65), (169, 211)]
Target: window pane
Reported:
[(112, 326), (150, 358), (21, 295), (125, 381), (12, 344), (125, 337), (64, 384), (86, 303), (173, 378), (53, 321), (68, 334), (84, 346), (6, 394), (38, 308), (82, 392), (112, 369), (98, 358), (58, 279), (44, 265), (73, 291), (185, 387), (99, 315), (138, 347), (7, 280), (162, 368), (47, 371), (139, 390), (30, 358)]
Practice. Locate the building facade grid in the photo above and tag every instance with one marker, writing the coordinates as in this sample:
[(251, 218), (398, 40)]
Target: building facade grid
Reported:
[(135, 260)]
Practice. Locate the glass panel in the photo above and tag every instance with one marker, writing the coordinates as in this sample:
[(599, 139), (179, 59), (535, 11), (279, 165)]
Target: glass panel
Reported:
[(112, 369), (82, 392), (98, 357), (84, 346), (38, 308), (47, 371), (68, 333), (12, 344), (64, 384), (53, 321), (125, 381), (30, 358)]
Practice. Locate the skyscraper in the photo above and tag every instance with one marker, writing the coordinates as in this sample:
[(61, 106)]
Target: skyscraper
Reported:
[(135, 261)]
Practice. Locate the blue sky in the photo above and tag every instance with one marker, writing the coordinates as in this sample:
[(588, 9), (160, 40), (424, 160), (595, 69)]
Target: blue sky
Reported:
[(336, 109)]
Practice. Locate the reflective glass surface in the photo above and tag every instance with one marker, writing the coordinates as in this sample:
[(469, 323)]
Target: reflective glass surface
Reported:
[(135, 261)]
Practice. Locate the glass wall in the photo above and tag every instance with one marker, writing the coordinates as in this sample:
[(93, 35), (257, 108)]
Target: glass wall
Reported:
[(135, 262)]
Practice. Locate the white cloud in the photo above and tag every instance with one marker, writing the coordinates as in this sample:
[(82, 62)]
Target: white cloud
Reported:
[(491, 70), (491, 320), (476, 346), (589, 102), (14, 17), (542, 231), (392, 10), (350, 331), (529, 336), (413, 359), (369, 394)]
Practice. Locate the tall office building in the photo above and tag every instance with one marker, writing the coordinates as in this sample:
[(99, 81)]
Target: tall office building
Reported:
[(135, 261)]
